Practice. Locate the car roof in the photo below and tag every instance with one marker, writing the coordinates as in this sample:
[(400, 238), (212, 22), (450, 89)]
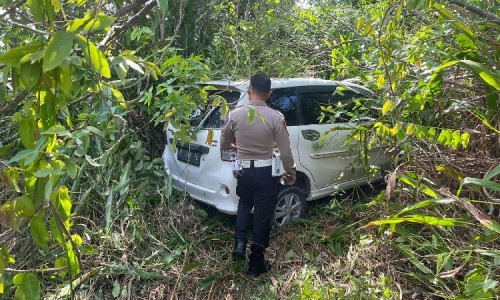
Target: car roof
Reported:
[(289, 82)]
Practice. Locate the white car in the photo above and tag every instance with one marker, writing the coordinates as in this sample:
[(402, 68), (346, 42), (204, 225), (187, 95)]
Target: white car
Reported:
[(323, 166)]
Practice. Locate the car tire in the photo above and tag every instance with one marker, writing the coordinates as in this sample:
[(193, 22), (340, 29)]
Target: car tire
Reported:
[(291, 205)]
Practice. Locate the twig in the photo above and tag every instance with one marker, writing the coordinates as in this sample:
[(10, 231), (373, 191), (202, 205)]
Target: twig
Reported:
[(60, 222), (9, 22), (48, 270), (81, 99), (115, 31)]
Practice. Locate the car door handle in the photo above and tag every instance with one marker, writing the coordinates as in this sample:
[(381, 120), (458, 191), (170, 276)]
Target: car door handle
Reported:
[(310, 134)]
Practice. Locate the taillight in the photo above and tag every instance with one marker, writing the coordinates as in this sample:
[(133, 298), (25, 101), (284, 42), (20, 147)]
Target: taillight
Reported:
[(227, 155)]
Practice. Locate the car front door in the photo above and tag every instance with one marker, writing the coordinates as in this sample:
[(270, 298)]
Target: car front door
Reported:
[(321, 149)]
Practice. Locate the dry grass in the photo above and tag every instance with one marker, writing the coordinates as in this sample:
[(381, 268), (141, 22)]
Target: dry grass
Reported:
[(196, 260)]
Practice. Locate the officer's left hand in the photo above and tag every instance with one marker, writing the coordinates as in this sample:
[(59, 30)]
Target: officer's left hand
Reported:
[(290, 179)]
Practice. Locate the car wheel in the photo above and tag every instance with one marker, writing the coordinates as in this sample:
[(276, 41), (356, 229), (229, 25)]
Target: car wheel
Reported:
[(291, 206)]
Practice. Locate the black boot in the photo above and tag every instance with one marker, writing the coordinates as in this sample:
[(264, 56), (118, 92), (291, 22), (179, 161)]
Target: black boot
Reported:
[(258, 267), (240, 247)]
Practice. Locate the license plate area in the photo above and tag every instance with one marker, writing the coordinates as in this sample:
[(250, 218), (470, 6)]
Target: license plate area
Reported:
[(189, 156)]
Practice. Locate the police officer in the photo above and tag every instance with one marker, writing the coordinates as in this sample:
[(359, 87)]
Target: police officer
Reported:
[(257, 188)]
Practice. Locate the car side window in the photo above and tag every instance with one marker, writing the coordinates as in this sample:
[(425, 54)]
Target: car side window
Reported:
[(285, 101), (338, 105)]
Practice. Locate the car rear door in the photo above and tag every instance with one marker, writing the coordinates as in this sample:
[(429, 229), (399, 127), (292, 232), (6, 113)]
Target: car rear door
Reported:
[(197, 161)]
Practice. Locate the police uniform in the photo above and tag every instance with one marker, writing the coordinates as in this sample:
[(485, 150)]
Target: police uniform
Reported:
[(257, 188)]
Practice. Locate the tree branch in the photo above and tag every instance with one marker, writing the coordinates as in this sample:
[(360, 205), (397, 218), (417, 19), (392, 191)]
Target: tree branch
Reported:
[(12, 8), (115, 31), (126, 9), (12, 104), (491, 17), (27, 27)]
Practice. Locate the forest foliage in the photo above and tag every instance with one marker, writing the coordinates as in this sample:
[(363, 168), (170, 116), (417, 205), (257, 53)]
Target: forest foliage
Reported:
[(86, 89)]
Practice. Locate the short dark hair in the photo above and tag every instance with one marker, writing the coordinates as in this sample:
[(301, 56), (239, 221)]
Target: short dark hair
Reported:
[(261, 84)]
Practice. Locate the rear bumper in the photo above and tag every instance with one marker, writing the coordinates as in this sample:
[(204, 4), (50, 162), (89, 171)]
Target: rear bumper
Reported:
[(217, 197)]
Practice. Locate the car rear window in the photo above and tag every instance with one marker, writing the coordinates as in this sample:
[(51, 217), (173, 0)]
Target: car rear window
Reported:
[(215, 119)]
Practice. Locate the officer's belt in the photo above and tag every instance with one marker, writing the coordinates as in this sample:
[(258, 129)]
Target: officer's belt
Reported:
[(256, 163)]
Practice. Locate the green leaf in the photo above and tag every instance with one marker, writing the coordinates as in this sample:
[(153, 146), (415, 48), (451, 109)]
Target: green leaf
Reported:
[(491, 100), (91, 161), (30, 74), (37, 10), (290, 254), (163, 4), (62, 202), (485, 74), (18, 279), (492, 173), (192, 266), (71, 168), (445, 137), (74, 266), (426, 203), (483, 183), (39, 233), (91, 24), (387, 107), (58, 48), (116, 289), (252, 113), (27, 128), (95, 131), (24, 206), (464, 139), (56, 231), (59, 263), (13, 57), (109, 205), (43, 172), (412, 257), (94, 56), (12, 176), (57, 129), (380, 81), (421, 219), (30, 286), (455, 139)]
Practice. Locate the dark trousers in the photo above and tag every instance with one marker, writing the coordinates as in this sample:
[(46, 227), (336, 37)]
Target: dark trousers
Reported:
[(257, 189)]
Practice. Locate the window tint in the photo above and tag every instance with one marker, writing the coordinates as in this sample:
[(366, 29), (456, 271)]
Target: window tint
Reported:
[(285, 101), (214, 120), (311, 101)]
